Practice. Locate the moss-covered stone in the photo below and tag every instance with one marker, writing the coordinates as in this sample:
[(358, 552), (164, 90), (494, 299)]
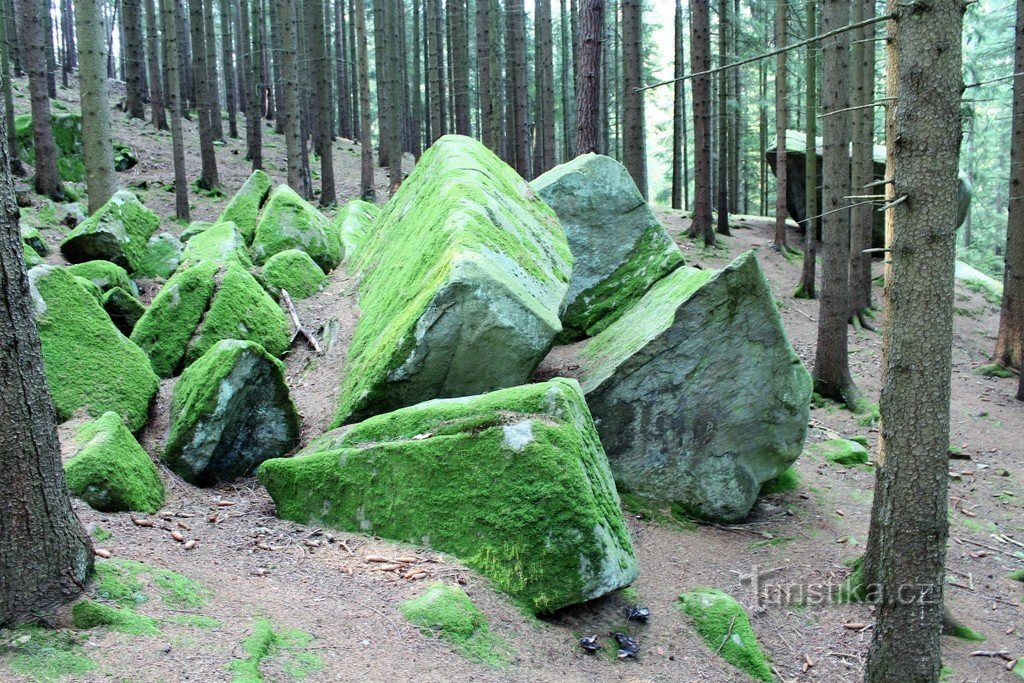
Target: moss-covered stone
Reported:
[(104, 274), (32, 237), (163, 255), (231, 411), (619, 248), (202, 304), (244, 207), (89, 614), (110, 471), (787, 481), (31, 256), (89, 363), (294, 271), (464, 275), (994, 370), (446, 612), (221, 242), (841, 452), (519, 474), (353, 224), (290, 222), (123, 308), (119, 231), (193, 229), (724, 626), (67, 137), (90, 286), (697, 394)]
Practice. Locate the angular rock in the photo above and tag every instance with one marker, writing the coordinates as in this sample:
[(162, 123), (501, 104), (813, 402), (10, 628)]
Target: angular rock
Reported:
[(104, 274), (619, 248), (193, 229), (202, 304), (697, 394), (34, 239), (163, 255), (118, 232), (123, 308), (221, 242), (67, 138), (294, 271), (31, 256), (110, 471), (464, 277), (353, 224), (290, 222), (89, 364), (90, 286), (514, 483), (244, 207), (231, 411)]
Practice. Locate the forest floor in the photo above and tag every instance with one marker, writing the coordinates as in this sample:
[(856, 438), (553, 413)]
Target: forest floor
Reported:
[(252, 566)]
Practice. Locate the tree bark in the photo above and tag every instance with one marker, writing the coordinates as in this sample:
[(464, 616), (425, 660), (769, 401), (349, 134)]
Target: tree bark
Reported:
[(483, 70), (566, 62), (436, 71), (520, 101), (289, 109), (97, 139), (910, 503), (135, 58), (228, 67), (208, 179), (806, 288), (210, 42), (460, 66), (700, 57), (17, 167), (781, 121), (678, 111), (634, 143), (47, 557), (862, 164), (588, 66), (169, 12), (322, 98), (254, 79), (722, 203), (156, 89), (544, 85), (366, 182)]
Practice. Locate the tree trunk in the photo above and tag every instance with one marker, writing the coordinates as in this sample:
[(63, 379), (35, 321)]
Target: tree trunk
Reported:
[(831, 366), (700, 57), (806, 288), (391, 86), (97, 139), (47, 557), (341, 70), (289, 108), (169, 11), (228, 67), (156, 90), (208, 179), (366, 182), (910, 504), (460, 66), (588, 66), (277, 53), (723, 120), (210, 43), (634, 144), (186, 76), (436, 69), (1011, 316), (862, 165), (736, 158), (678, 111), (16, 165), (322, 100), (568, 113), (33, 35), (781, 120), (544, 85), (135, 58), (254, 78), (483, 70), (520, 102)]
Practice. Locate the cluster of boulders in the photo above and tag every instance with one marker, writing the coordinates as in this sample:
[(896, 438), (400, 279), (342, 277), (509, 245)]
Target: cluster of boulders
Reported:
[(686, 392), (67, 139)]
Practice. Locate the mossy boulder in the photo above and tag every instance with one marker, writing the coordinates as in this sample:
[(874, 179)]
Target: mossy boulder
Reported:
[(110, 471), (697, 394), (104, 274), (202, 304), (193, 229), (446, 612), (119, 232), (513, 482), (123, 308), (353, 224), (464, 276), (89, 363), (290, 222), (163, 255), (90, 286), (244, 207), (841, 452), (221, 242), (294, 271), (67, 137), (231, 411), (31, 256), (724, 626), (32, 237), (619, 248)]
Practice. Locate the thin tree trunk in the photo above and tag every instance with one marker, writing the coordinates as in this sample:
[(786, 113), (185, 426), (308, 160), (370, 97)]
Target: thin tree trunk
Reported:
[(806, 288), (634, 143), (568, 114), (276, 51), (435, 56), (861, 168), (322, 100), (736, 158), (254, 78), (169, 11), (460, 66), (343, 66), (156, 90), (290, 111), (51, 58), (678, 110), (366, 183), (483, 69), (97, 140), (520, 102), (187, 77), (544, 84), (700, 56), (213, 83), (494, 89), (723, 119), (228, 62), (208, 179), (17, 167), (135, 58), (781, 121), (909, 513), (588, 66)]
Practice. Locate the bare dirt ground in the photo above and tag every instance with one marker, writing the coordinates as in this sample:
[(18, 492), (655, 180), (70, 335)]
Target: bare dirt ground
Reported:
[(319, 581)]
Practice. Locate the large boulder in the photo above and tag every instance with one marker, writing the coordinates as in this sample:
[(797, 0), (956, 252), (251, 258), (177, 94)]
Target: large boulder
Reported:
[(163, 256), (110, 471), (295, 272), (244, 207), (203, 304), (221, 242), (697, 394), (104, 274), (231, 411), (123, 308), (89, 364), (464, 276), (119, 232), (353, 224), (67, 138), (514, 483), (290, 222), (619, 249)]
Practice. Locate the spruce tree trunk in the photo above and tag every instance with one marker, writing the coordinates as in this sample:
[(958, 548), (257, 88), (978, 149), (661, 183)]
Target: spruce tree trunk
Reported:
[(634, 143), (276, 50), (494, 89), (861, 168), (544, 84), (781, 120), (169, 13), (322, 100), (460, 67), (520, 102), (435, 57), (156, 89), (700, 58), (1011, 316), (678, 110), (51, 57), (806, 288), (290, 111), (97, 140), (483, 70), (68, 35), (251, 94), (366, 182), (910, 503), (394, 92), (227, 59), (47, 557), (566, 62), (342, 68), (832, 377), (722, 203), (736, 127), (186, 77), (588, 66), (135, 58), (213, 83), (33, 40), (16, 166), (208, 179)]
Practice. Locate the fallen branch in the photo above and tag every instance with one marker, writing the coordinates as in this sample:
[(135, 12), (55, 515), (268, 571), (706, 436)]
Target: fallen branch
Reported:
[(299, 329)]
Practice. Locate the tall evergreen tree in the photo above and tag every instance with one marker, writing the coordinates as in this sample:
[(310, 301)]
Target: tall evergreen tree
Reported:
[(169, 10), (366, 183), (806, 288), (588, 66), (290, 107), (17, 167), (519, 104), (862, 167), (680, 182), (722, 203), (781, 124), (322, 88), (97, 139), (208, 178), (544, 85), (460, 66), (700, 59), (251, 94), (135, 57), (228, 67), (634, 143), (156, 87)]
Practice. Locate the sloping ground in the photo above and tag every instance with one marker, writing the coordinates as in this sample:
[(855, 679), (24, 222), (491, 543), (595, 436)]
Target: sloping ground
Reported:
[(321, 583)]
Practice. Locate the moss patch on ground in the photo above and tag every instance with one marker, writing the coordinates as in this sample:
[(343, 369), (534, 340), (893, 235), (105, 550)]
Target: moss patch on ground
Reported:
[(287, 646), (43, 654), (841, 452), (89, 614), (787, 481), (995, 370), (724, 626), (446, 612), (963, 633), (126, 582)]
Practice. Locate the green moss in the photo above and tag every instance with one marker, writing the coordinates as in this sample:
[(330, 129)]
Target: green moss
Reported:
[(89, 286), (244, 207), (103, 274), (963, 633), (284, 645), (840, 452), (1018, 669), (787, 481), (724, 626), (520, 473), (290, 222), (353, 225), (125, 582), (101, 534), (89, 363), (42, 654), (861, 439), (119, 231), (446, 612), (1016, 575), (872, 415), (31, 257), (197, 620), (294, 271), (33, 239), (123, 308), (163, 255), (88, 614), (67, 137), (194, 228), (110, 471), (853, 588), (221, 243), (995, 370)]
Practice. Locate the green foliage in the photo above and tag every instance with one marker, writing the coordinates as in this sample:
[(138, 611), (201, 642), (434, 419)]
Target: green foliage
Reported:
[(286, 645), (724, 626), (446, 612)]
